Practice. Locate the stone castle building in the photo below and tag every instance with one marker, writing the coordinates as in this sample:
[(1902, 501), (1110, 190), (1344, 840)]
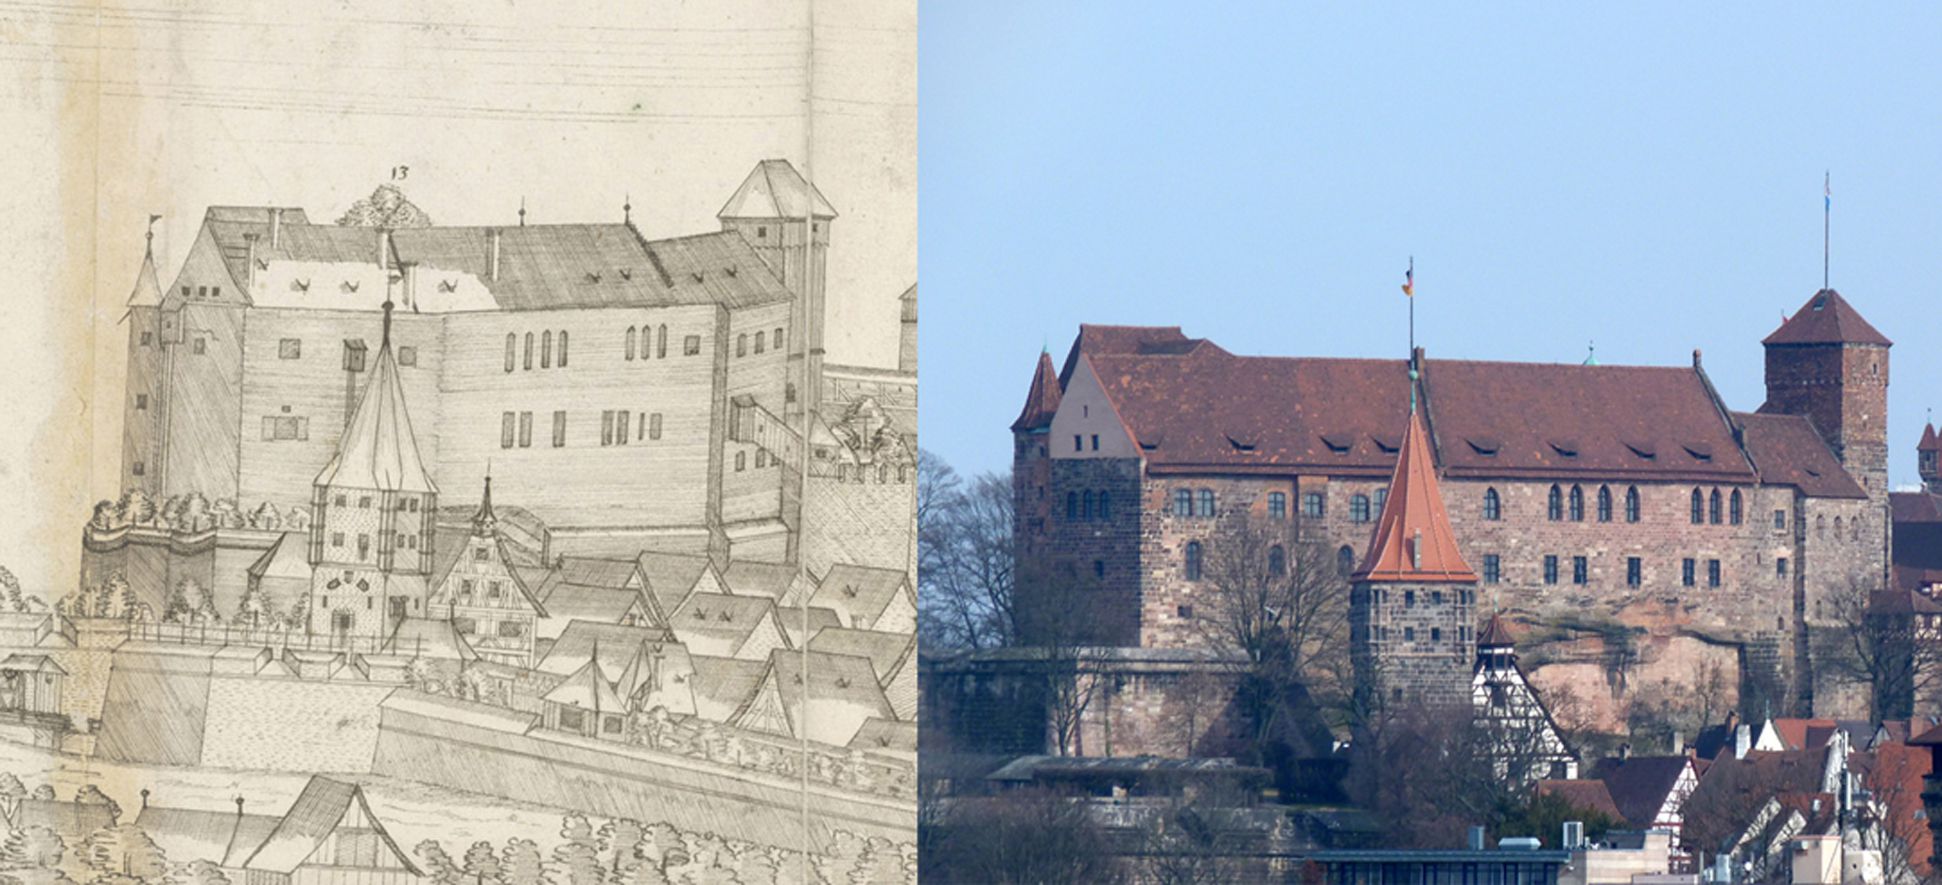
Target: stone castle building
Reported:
[(634, 393), (1647, 528)]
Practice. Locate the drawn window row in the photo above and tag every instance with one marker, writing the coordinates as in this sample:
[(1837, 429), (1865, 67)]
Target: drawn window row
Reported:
[(617, 426), (522, 357)]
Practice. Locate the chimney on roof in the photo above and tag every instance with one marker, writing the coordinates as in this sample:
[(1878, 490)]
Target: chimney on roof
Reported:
[(276, 228), (249, 261), (144, 798), (239, 806), (1742, 740), (1695, 357), (492, 253), (384, 248)]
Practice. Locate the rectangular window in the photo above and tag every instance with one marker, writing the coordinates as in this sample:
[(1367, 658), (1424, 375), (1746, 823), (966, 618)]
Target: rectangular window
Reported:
[(1095, 442), (1779, 519), (1780, 566), (654, 426), (511, 629), (1277, 505), (506, 425), (691, 345), (759, 342), (336, 539), (1312, 505), (141, 401), (279, 428), (407, 356), (467, 626), (201, 346), (1580, 570), (1712, 573), (1078, 443), (1493, 568), (607, 427), (525, 430), (1550, 569), (141, 468), (289, 349), (559, 430), (623, 423), (572, 720), (1634, 571), (1688, 573), (148, 338)]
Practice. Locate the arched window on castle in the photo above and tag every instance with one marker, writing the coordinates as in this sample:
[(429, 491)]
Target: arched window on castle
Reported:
[(1183, 502), (528, 362), (1193, 561), (1493, 506), (741, 344), (1604, 503), (1699, 507), (1555, 507), (1277, 561), (660, 342), (1713, 508), (546, 349), (1632, 504), (1837, 528), (1071, 506), (1735, 510), (1206, 502), (1359, 508), (1854, 529), (512, 349), (1577, 504), (1085, 507), (1345, 561), (1277, 505), (1105, 505), (630, 342), (1820, 526), (562, 348)]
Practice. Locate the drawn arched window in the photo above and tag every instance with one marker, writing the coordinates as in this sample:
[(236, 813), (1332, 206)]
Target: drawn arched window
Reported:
[(1085, 506), (1359, 508), (528, 362), (660, 342), (1632, 504), (512, 347), (1604, 503), (761, 341), (546, 349), (562, 348), (1493, 506), (1193, 560), (1577, 504), (1345, 561), (1206, 502), (1071, 506), (630, 342), (1712, 507), (1105, 505), (1183, 502), (1555, 508), (1277, 561), (1699, 507), (741, 344), (1734, 510)]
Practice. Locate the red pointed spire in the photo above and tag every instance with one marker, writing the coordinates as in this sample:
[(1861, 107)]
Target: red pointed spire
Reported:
[(1930, 440), (1495, 634), (1413, 539), (1043, 399)]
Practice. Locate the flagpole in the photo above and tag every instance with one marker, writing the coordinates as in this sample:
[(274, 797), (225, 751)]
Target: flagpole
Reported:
[(1827, 216)]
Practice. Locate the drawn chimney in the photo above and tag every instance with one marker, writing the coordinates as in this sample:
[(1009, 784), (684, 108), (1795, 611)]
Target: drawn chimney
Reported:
[(249, 262), (144, 798), (384, 248), (239, 806), (492, 254), (276, 228)]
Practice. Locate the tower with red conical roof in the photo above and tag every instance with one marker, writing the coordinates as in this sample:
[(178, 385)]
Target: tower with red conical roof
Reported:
[(1411, 599), (1031, 463), (1926, 455), (1827, 363)]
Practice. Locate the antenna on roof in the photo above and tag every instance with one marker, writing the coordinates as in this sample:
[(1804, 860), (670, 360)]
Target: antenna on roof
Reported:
[(152, 218), (627, 210), (522, 211)]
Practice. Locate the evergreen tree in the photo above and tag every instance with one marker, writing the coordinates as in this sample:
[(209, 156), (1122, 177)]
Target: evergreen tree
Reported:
[(176, 609), (202, 872), (521, 862), (437, 864), (482, 865), (620, 844), (880, 864), (576, 861), (125, 851), (35, 847)]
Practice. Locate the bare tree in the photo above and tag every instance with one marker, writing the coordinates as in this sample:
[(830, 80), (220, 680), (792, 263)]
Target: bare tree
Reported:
[(1022, 837), (965, 558), (1886, 640), (1056, 615), (1282, 616)]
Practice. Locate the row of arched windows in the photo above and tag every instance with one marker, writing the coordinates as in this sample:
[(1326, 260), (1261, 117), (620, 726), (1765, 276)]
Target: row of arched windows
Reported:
[(1852, 527), (1194, 555), (1706, 508), (545, 340), (761, 342), (1088, 505), (652, 341), (1193, 502), (1560, 505)]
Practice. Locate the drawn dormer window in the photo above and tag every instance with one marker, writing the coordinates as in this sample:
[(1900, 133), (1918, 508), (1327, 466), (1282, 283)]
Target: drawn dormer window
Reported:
[(350, 285), (448, 285), (297, 285)]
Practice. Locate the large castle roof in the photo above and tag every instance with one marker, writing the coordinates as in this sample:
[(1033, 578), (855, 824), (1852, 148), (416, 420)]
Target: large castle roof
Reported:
[(1194, 407)]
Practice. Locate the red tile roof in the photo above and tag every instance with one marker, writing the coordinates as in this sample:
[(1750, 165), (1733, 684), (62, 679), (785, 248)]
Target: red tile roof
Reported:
[(1042, 401), (1930, 442), (1826, 318), (1495, 633), (1193, 406), (1413, 539), (1584, 795), (1640, 784)]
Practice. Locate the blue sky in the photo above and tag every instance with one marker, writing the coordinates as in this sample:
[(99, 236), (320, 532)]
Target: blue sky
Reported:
[(1261, 174)]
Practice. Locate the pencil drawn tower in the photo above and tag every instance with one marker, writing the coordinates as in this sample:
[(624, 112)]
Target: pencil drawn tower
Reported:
[(1410, 601), (372, 515), (787, 221)]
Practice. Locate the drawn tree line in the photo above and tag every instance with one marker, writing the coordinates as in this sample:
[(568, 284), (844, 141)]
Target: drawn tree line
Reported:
[(193, 513)]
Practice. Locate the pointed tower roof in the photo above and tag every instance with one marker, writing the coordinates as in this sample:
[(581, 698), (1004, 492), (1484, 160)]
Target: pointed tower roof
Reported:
[(1042, 401), (147, 292), (1495, 634), (378, 450), (1413, 539), (776, 190), (1826, 318), (1930, 440), (485, 523)]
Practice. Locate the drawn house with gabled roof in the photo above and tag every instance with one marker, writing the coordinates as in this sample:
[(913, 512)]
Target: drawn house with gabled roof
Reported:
[(868, 598), (842, 694), (728, 626), (484, 596), (328, 836), (892, 655)]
